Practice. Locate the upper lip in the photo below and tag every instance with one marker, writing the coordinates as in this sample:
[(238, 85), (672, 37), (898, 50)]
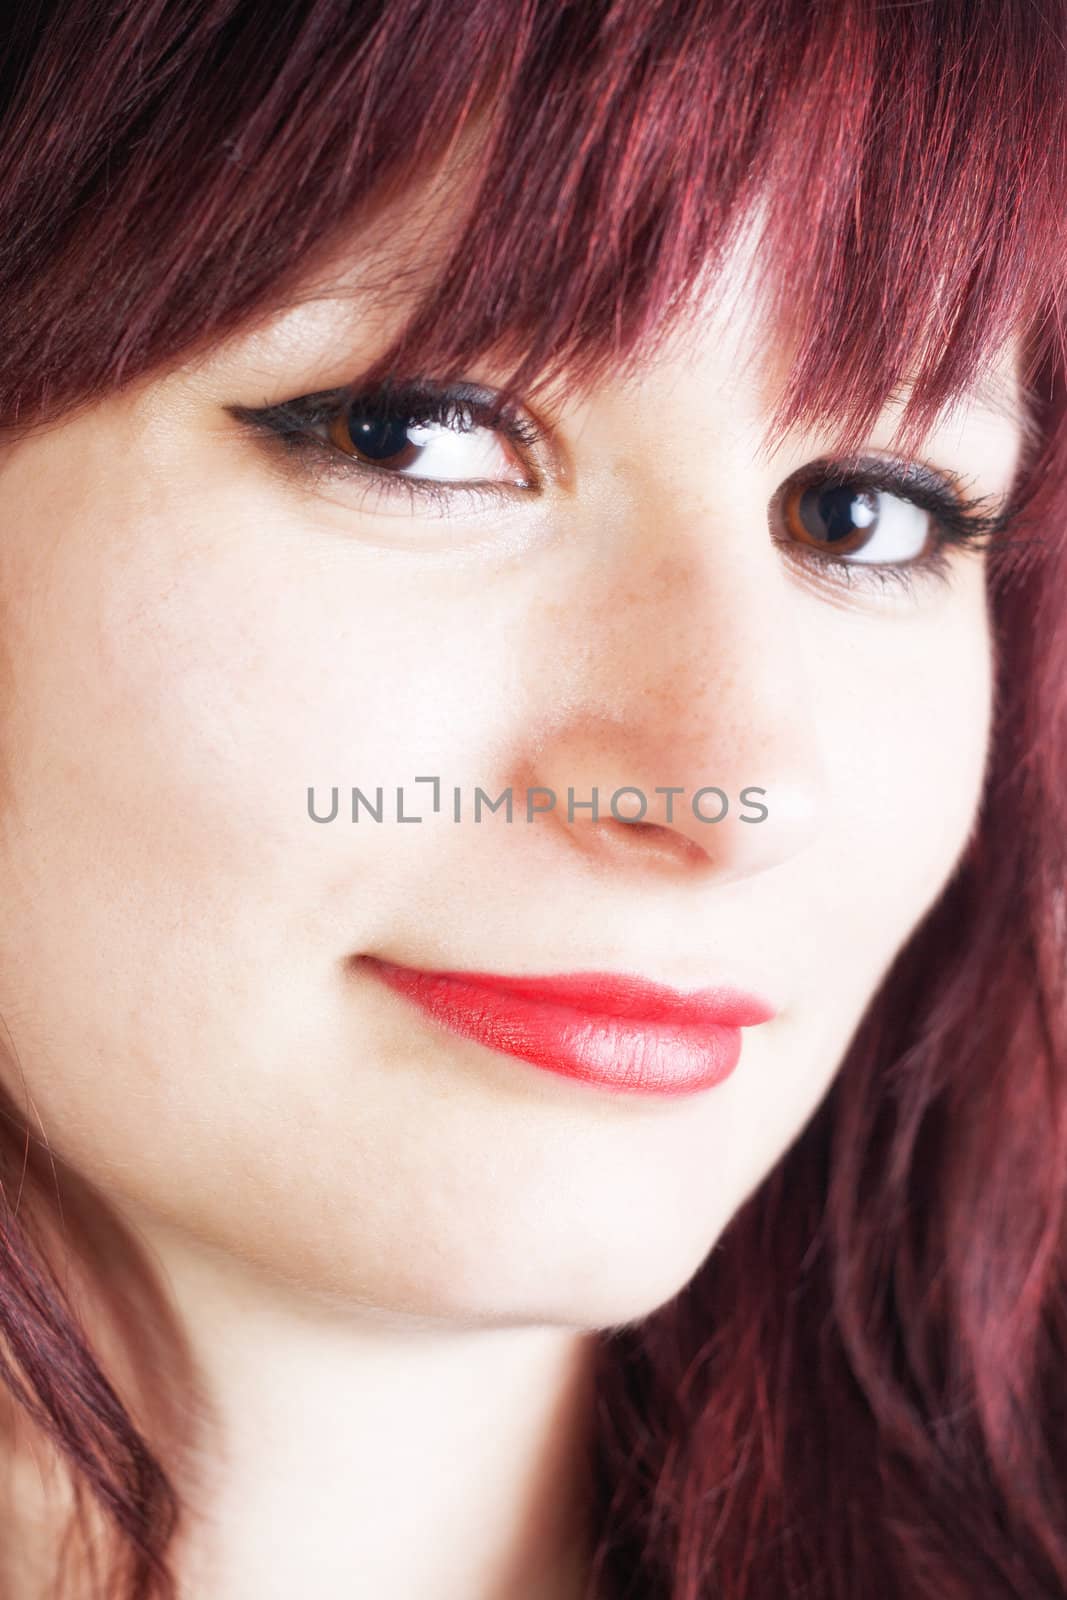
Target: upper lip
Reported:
[(614, 994)]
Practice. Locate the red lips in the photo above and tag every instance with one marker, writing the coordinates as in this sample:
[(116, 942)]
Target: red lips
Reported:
[(609, 1029)]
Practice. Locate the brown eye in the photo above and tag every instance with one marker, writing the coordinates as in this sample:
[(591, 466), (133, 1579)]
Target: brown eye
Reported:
[(384, 439), (441, 439), (853, 521)]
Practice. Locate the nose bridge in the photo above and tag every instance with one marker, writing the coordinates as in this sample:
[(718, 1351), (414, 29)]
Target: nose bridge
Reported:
[(691, 679)]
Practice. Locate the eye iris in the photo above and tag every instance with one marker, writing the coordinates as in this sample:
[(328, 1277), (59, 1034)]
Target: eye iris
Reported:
[(381, 437), (837, 514)]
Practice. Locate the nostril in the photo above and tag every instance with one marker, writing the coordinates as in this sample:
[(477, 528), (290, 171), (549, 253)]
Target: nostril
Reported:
[(665, 840), (662, 828)]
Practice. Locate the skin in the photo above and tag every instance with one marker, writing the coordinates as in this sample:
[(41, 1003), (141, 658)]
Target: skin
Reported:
[(389, 1247)]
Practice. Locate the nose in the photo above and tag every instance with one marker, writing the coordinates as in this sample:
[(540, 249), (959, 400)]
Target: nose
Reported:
[(681, 697)]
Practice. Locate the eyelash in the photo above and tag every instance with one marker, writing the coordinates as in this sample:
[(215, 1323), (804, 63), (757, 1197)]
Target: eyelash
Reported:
[(959, 521), (292, 421)]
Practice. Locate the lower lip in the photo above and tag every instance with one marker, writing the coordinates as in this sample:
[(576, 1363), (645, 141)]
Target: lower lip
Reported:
[(627, 1054)]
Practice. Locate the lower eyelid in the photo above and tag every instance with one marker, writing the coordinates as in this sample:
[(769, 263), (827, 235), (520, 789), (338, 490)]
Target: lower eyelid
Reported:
[(838, 579), (325, 464)]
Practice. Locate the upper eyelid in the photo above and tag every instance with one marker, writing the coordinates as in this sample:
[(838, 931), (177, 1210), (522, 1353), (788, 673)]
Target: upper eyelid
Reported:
[(294, 417), (289, 422), (894, 472), (932, 488), (321, 405)]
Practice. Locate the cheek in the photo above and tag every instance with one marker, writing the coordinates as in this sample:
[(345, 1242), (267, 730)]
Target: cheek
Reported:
[(907, 724), (903, 707), (905, 714), (911, 745), (174, 924), (173, 911)]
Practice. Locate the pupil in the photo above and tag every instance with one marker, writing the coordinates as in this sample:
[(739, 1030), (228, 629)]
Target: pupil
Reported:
[(378, 437), (835, 513)]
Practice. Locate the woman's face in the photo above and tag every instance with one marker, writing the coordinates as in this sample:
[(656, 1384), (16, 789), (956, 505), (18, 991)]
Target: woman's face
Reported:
[(198, 629)]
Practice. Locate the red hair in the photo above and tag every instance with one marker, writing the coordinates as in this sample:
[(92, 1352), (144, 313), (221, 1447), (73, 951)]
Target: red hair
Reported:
[(860, 1391)]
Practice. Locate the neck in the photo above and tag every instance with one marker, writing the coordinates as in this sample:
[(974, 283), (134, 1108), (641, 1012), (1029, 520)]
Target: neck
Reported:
[(418, 1458)]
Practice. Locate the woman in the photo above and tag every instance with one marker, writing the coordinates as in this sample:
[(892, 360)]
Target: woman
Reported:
[(425, 1176)]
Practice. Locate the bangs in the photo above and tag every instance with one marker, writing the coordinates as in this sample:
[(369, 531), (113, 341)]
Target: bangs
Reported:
[(906, 164)]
